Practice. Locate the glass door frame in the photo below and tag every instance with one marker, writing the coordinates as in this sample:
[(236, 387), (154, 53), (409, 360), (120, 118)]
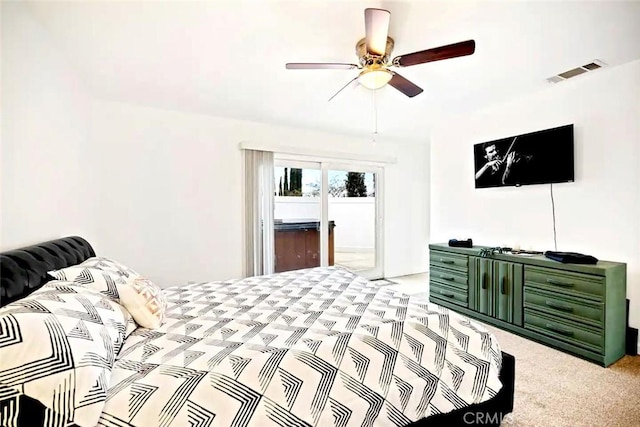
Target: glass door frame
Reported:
[(325, 165), (377, 272)]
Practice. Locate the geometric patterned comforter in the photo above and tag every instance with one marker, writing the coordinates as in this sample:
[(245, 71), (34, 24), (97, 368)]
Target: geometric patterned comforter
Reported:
[(315, 347)]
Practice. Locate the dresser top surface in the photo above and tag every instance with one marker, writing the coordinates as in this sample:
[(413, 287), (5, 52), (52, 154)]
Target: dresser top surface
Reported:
[(540, 260)]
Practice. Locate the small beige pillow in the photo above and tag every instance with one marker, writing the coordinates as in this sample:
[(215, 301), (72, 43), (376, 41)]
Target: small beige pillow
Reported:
[(144, 300)]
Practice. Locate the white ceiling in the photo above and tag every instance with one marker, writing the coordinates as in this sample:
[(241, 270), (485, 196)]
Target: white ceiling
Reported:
[(226, 58)]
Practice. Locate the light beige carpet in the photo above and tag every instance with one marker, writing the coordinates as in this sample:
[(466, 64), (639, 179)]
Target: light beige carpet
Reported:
[(555, 389)]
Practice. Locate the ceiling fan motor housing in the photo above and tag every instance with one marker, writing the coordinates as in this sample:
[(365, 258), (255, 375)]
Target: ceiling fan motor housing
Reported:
[(368, 59)]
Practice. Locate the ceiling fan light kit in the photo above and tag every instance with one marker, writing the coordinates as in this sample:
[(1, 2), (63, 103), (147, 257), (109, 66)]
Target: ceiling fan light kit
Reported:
[(374, 79), (374, 52)]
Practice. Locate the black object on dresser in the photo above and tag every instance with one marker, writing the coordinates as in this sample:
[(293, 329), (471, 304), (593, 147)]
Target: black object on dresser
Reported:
[(576, 308), (468, 243)]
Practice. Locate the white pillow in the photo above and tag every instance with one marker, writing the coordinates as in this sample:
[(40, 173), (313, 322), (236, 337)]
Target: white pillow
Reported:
[(110, 266), (58, 347), (144, 300), (105, 282)]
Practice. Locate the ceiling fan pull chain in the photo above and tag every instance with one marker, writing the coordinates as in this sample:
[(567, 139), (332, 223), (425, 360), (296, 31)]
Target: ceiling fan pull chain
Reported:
[(375, 115)]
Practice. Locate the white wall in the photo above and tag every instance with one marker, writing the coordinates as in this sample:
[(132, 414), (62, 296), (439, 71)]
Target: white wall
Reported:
[(598, 214), (169, 186), (158, 190), (355, 223), (353, 217), (290, 207), (44, 133)]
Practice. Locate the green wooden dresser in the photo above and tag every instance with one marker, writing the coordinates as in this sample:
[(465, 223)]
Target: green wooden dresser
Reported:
[(580, 309)]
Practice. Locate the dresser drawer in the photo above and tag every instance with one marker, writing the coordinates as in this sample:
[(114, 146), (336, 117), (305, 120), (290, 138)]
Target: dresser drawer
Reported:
[(564, 330), (568, 283), (448, 277), (448, 293), (449, 260), (570, 308)]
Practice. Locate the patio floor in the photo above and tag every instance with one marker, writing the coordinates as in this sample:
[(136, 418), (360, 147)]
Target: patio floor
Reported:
[(356, 260)]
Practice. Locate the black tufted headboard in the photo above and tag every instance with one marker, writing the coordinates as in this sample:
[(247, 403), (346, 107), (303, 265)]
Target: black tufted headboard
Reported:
[(24, 270)]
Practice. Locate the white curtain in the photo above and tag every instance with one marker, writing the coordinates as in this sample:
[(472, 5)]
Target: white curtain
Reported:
[(258, 212)]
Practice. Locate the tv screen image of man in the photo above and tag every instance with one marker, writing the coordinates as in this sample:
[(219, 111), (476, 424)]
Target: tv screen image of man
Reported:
[(501, 166)]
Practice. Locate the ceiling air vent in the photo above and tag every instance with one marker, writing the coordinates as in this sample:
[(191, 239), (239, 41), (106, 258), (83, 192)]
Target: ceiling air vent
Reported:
[(596, 64), (572, 73), (592, 66)]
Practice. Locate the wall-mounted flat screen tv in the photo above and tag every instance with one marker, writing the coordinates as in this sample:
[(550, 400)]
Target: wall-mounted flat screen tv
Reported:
[(540, 157)]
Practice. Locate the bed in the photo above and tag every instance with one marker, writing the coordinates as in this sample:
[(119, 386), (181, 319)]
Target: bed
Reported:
[(313, 347)]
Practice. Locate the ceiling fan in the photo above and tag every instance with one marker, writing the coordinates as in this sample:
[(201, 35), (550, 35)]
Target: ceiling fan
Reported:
[(374, 52)]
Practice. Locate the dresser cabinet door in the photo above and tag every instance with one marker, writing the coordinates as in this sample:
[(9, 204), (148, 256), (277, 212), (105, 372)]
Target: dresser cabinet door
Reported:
[(484, 281), (503, 280), (498, 289)]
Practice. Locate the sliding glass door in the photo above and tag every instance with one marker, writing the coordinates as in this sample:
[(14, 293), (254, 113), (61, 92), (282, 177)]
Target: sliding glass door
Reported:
[(297, 215), (353, 204), (326, 214)]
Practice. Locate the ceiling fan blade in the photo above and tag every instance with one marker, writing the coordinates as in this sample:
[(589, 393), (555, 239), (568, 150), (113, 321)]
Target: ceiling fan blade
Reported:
[(436, 54), (405, 86), (376, 23), (319, 66), (343, 87)]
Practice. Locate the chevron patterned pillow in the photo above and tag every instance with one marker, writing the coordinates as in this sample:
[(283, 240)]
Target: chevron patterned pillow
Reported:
[(58, 347), (110, 266), (105, 282), (144, 300)]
